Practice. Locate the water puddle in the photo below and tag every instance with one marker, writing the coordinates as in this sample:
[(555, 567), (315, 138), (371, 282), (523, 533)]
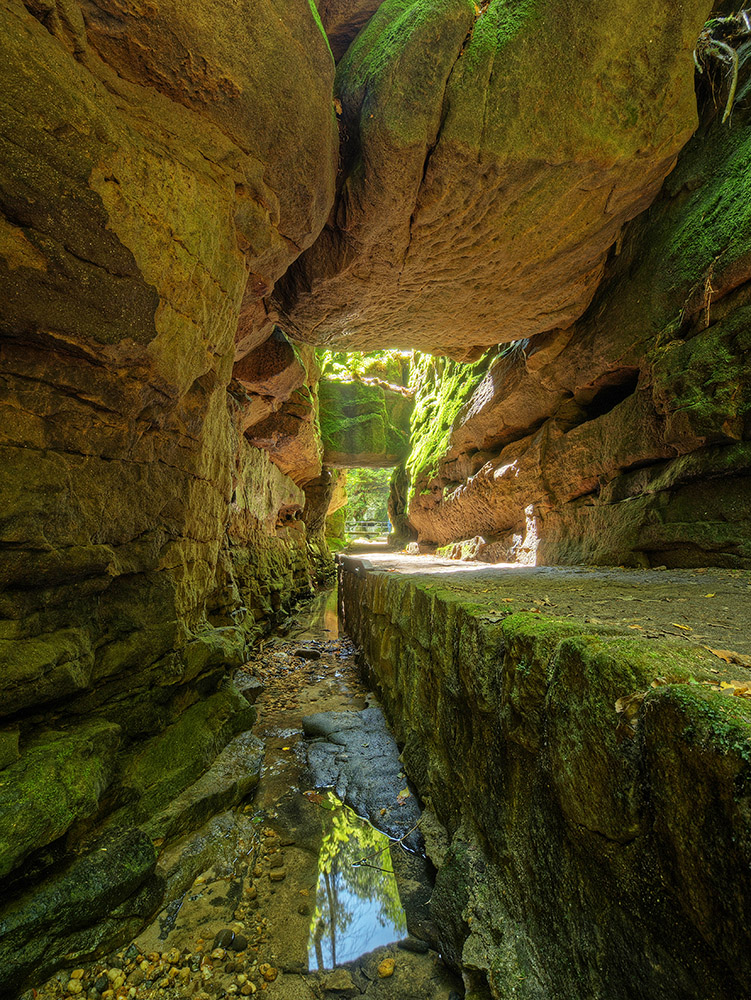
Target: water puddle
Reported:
[(357, 904)]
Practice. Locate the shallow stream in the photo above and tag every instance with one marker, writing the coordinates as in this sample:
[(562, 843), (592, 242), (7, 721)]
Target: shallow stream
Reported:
[(298, 899)]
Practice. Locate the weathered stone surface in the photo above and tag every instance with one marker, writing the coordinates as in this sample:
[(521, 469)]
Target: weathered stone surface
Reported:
[(624, 437), (57, 781), (232, 776), (103, 896), (156, 181), (590, 848), (355, 754), (342, 20), (115, 495), (290, 433), (363, 423), (459, 222)]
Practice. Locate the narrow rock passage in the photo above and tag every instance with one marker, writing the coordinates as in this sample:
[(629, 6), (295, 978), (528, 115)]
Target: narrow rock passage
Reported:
[(301, 901)]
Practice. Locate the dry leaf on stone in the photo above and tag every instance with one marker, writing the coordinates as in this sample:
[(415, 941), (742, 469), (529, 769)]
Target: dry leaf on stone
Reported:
[(730, 656)]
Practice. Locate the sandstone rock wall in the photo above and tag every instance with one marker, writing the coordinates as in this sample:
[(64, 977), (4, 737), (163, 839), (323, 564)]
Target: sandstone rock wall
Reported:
[(491, 154), (624, 438), (582, 853), (162, 166)]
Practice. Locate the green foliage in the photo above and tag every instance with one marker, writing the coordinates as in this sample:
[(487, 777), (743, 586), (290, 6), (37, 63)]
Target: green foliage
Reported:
[(354, 874), (442, 387), (390, 366), (368, 493)]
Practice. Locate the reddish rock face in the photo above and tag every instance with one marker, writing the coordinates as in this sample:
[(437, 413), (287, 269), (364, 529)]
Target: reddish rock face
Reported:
[(625, 437), (161, 167), (489, 161)]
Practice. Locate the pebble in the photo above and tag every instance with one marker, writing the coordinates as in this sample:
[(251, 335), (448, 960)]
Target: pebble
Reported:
[(278, 874), (414, 944), (224, 938), (386, 968), (268, 972), (240, 943), (75, 986), (305, 653)]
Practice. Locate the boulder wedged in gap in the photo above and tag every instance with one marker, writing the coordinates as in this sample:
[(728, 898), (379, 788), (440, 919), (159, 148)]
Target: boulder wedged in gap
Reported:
[(491, 156), (589, 787)]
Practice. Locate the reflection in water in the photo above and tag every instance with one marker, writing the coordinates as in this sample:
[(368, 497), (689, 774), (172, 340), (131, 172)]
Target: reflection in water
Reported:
[(357, 905), (318, 618)]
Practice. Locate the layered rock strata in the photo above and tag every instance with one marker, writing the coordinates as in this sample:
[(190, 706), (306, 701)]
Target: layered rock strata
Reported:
[(624, 438), (156, 183), (590, 791)]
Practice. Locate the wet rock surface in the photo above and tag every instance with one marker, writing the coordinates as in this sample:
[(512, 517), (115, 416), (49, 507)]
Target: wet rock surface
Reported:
[(252, 906), (356, 754), (582, 768)]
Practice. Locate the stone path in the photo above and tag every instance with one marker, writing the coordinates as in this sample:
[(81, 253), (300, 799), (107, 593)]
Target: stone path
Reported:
[(706, 607)]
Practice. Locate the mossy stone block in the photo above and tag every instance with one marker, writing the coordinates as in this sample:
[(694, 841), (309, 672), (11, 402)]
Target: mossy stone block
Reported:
[(58, 779)]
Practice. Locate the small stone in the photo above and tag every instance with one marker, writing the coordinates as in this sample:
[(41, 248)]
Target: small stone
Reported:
[(240, 943), (340, 981), (386, 968), (224, 938), (251, 892), (219, 953), (278, 874), (414, 944), (74, 986), (248, 989), (276, 860), (77, 974), (268, 972), (172, 956), (103, 982), (304, 910), (307, 653)]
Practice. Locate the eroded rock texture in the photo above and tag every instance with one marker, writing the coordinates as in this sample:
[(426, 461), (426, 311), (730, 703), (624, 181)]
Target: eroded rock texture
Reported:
[(590, 790), (624, 437), (491, 156), (156, 181)]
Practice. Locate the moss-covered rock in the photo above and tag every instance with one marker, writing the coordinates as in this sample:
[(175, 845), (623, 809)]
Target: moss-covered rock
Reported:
[(460, 223), (592, 786), (363, 424), (102, 897), (58, 781)]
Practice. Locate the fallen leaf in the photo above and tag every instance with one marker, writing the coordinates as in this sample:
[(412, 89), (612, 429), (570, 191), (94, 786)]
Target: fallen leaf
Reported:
[(635, 626), (686, 628), (730, 656), (710, 595)]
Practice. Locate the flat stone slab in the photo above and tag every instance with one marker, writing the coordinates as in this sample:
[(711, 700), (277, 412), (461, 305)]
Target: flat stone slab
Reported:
[(704, 607), (356, 755)]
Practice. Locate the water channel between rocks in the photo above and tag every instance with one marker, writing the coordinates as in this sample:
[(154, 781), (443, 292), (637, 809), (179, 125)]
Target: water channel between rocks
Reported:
[(300, 897)]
